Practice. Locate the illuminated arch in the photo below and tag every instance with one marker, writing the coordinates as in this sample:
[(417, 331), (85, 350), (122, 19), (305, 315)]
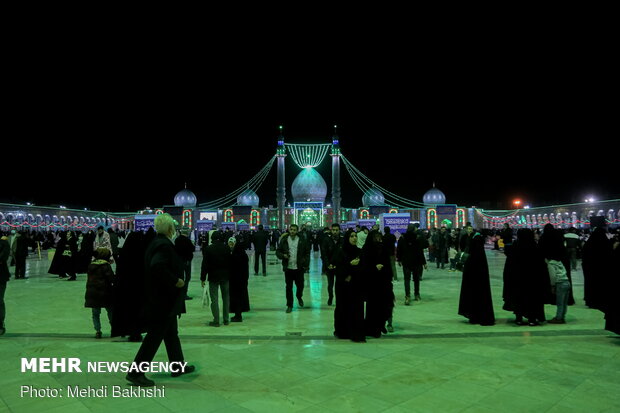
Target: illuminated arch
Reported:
[(255, 218)]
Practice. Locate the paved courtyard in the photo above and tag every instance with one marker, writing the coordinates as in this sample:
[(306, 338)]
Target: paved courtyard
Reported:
[(276, 362)]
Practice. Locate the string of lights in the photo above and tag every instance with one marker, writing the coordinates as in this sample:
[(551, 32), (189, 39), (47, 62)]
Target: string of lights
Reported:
[(394, 199), (308, 156), (253, 184), (26, 224)]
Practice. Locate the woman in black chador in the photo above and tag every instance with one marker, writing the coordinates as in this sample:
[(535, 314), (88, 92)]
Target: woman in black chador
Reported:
[(238, 282), (128, 318), (64, 261), (597, 256), (475, 302), (379, 292), (612, 304), (349, 311), (526, 280)]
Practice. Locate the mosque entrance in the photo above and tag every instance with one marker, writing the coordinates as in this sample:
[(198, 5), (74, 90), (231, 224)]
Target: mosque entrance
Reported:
[(309, 213)]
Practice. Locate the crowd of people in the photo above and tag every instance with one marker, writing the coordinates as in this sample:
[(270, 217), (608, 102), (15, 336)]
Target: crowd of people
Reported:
[(148, 289)]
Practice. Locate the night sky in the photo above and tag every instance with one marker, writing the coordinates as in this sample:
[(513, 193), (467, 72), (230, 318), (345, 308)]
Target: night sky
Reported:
[(122, 146), (127, 171)]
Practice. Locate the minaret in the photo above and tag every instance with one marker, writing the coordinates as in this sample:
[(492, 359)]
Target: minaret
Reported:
[(336, 176), (281, 189)]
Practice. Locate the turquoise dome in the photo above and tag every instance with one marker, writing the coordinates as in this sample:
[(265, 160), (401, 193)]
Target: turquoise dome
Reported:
[(248, 198), (434, 196), (185, 198), (373, 197), (309, 186)]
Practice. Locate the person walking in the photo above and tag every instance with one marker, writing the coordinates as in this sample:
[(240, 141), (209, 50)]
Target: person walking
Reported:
[(573, 245), (379, 291), (185, 248), (64, 261), (553, 249), (440, 243), (475, 301), (21, 253), (260, 239), (389, 240), (331, 245), (410, 256), (102, 240), (5, 276), (526, 280), (114, 241), (216, 266), (99, 288), (239, 276), (164, 279), (295, 255), (128, 318), (349, 311), (596, 263)]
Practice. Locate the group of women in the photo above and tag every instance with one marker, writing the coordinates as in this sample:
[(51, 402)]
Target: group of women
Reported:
[(363, 276), (531, 276)]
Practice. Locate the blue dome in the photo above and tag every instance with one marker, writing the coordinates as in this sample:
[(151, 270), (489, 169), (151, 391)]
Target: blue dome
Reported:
[(434, 196), (185, 198), (248, 198), (373, 197), (309, 186)]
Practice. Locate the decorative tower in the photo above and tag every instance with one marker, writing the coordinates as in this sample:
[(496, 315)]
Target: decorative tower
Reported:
[(336, 177), (280, 189)]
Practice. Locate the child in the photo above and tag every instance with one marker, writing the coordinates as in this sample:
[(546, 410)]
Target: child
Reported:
[(99, 287), (561, 286), (452, 255)]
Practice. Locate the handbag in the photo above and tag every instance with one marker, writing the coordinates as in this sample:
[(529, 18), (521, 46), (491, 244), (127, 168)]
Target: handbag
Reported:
[(461, 259)]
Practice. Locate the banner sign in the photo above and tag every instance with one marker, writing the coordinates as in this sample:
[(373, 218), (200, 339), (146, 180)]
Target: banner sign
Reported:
[(368, 223), (397, 222), (445, 210), (144, 222), (204, 225), (228, 225)]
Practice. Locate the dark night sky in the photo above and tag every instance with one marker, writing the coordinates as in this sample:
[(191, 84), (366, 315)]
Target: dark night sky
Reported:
[(121, 142)]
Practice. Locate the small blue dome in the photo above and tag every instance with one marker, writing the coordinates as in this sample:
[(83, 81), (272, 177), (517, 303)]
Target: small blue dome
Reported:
[(185, 198), (309, 186), (434, 196), (248, 198), (373, 197)]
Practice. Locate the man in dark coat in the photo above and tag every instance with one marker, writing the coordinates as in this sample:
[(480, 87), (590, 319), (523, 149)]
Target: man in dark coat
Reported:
[(294, 252), (260, 239), (5, 276), (410, 255), (331, 244), (216, 263), (165, 300), (239, 274), (185, 248), (21, 253), (389, 240)]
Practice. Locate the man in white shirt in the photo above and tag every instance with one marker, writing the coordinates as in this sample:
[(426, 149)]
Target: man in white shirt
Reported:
[(294, 253)]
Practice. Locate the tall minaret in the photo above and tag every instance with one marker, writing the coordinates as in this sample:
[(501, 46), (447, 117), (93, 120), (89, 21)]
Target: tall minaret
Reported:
[(281, 189), (336, 176)]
